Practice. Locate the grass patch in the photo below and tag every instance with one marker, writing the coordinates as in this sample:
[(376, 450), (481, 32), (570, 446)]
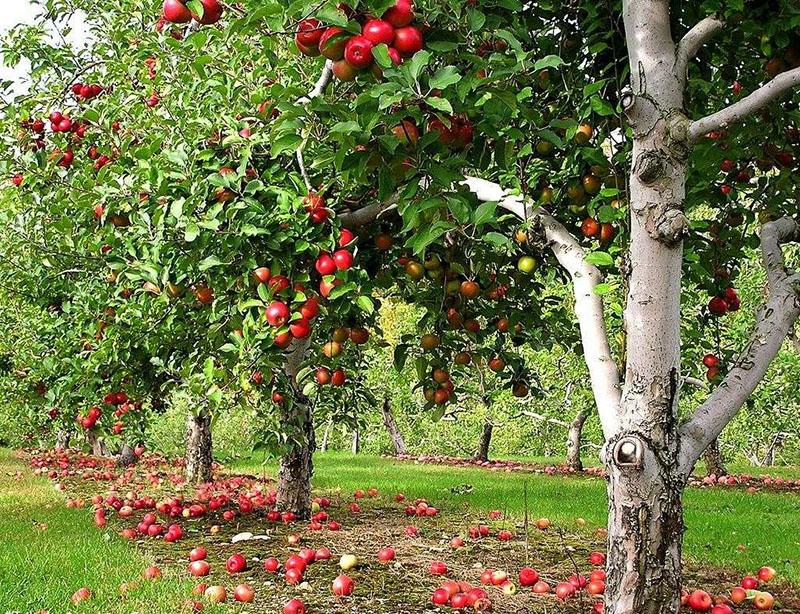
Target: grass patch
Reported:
[(726, 527), (49, 551)]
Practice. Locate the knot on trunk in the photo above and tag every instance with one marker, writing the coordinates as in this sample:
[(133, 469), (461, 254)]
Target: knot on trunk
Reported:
[(677, 138), (649, 167), (666, 222)]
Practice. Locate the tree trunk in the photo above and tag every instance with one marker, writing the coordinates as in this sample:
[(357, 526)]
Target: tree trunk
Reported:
[(296, 465), (391, 427), (775, 446), (326, 436), (715, 464), (97, 444), (645, 524), (199, 455), (485, 442), (63, 437), (126, 456), (355, 446), (574, 440)]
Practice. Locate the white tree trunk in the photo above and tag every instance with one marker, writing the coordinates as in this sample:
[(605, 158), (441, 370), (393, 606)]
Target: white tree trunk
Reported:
[(394, 431), (575, 440)]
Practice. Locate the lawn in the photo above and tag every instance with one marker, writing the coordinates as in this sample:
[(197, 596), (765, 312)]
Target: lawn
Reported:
[(49, 551), (726, 527)]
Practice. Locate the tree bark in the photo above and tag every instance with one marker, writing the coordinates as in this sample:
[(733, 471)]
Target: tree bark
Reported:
[(63, 437), (394, 431), (296, 465), (199, 451), (97, 444), (126, 456), (574, 441), (326, 436), (715, 464), (775, 446), (485, 442), (355, 445)]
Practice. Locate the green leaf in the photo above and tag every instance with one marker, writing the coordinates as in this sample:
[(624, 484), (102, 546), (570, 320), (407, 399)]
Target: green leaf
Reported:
[(445, 77), (381, 55), (191, 233), (599, 259), (484, 213), (440, 104), (550, 61), (366, 304)]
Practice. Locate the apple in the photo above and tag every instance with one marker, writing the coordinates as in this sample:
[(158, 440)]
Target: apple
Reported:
[(293, 576), (212, 12), (199, 568), (277, 314), (343, 586), (358, 52), (348, 562), (499, 577), (322, 554), (763, 601), (721, 609), (216, 594), (386, 555), (300, 329), (399, 15), (528, 576), (198, 554), (541, 588), (458, 601), (244, 593), (440, 597), (456, 542), (309, 34), (338, 378), (236, 564), (272, 564), (564, 590), (738, 595), (378, 31), (342, 259), (344, 71), (596, 587), (82, 594), (175, 11), (295, 606), (325, 265), (699, 601), (438, 568), (749, 583), (408, 40), (766, 574), (332, 43)]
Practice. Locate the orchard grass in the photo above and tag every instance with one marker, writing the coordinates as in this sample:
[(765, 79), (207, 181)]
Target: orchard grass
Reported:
[(725, 527), (49, 551)]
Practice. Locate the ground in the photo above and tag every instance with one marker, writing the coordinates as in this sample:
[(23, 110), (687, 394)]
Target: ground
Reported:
[(45, 535)]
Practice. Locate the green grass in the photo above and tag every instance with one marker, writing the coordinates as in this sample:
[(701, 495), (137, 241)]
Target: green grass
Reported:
[(718, 520), (42, 566)]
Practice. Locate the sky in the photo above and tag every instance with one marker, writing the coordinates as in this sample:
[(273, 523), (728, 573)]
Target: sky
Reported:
[(14, 12)]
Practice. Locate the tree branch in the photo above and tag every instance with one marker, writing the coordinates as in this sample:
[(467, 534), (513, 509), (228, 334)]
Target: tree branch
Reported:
[(365, 215), (588, 305), (773, 323), (746, 106), (323, 81), (694, 39)]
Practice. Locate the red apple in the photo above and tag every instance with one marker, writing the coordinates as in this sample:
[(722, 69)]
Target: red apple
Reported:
[(199, 568), (212, 12), (295, 606), (277, 314), (244, 593), (358, 52), (528, 576), (332, 43), (236, 564), (198, 554), (175, 11), (401, 14), (700, 601), (408, 40), (343, 586), (378, 31), (309, 33)]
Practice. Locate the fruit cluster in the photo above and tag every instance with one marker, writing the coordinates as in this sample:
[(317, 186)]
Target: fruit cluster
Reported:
[(724, 303), (176, 11), (352, 53), (85, 91)]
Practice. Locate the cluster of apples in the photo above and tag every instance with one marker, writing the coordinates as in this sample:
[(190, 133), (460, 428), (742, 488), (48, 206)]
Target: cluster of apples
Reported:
[(701, 601), (711, 363), (352, 53), (86, 91), (726, 302), (176, 11)]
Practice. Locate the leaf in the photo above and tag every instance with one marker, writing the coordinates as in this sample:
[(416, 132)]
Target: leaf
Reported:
[(400, 355), (600, 106), (599, 259), (549, 61), (440, 104), (209, 262), (191, 233), (484, 213), (309, 388), (366, 304), (497, 238), (381, 55), (445, 77)]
